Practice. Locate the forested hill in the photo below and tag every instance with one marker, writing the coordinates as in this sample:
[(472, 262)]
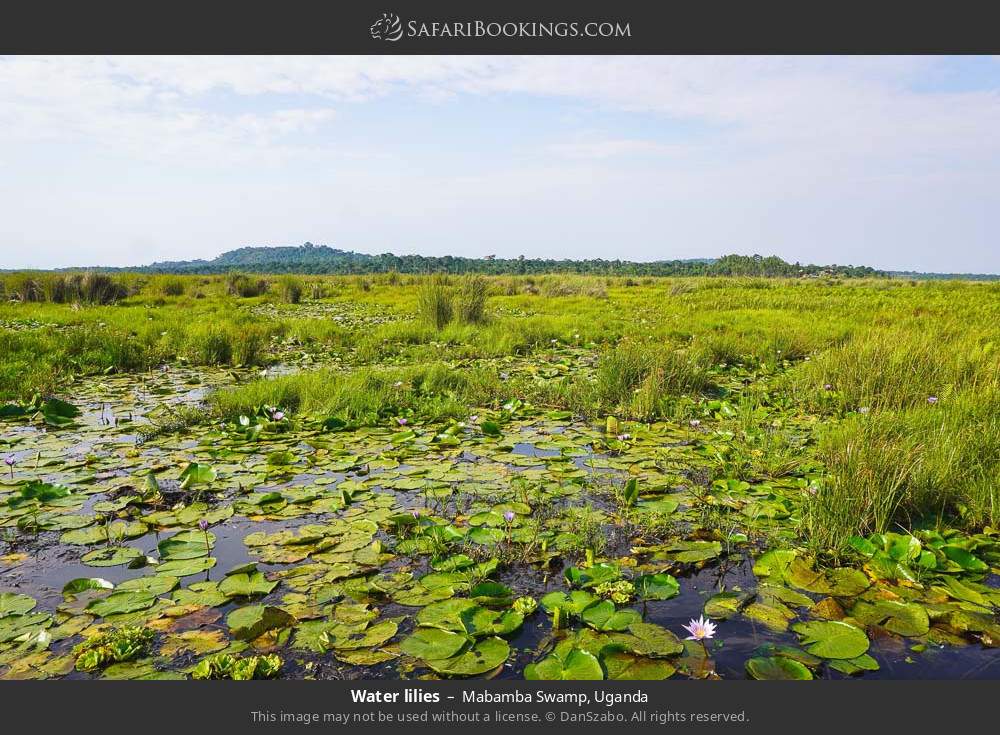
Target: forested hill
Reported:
[(311, 258)]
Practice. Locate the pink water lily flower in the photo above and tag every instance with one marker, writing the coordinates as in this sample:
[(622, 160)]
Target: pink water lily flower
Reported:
[(278, 415), (700, 629), (509, 516), (402, 422)]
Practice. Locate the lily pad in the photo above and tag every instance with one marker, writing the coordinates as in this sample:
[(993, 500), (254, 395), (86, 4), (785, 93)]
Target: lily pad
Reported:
[(777, 668), (433, 643), (486, 655), (575, 665), (247, 623), (656, 586), (832, 639)]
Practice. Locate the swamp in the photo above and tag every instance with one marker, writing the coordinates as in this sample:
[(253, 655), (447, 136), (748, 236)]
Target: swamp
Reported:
[(534, 477)]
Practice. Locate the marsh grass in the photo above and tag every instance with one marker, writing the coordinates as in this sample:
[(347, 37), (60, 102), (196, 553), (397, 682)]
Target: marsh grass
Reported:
[(434, 302), (367, 395), (68, 288), (291, 289), (759, 447), (638, 379), (898, 368), (172, 286), (245, 286), (645, 349), (913, 467), (470, 300)]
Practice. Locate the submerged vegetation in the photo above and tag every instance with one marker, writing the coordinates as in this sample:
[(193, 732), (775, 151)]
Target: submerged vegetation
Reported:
[(540, 476)]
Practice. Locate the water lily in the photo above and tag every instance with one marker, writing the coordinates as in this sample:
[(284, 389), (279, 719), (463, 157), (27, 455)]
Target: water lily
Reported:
[(504, 376), (402, 422), (700, 629), (624, 437), (203, 525), (827, 387), (695, 423), (10, 461), (398, 384), (932, 400), (509, 516), (278, 415), (415, 513), (473, 419)]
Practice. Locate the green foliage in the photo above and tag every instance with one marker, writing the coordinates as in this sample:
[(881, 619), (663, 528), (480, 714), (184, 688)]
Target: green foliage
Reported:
[(639, 380), (470, 300), (291, 289), (924, 463), (238, 668), (309, 258), (113, 646), (434, 302)]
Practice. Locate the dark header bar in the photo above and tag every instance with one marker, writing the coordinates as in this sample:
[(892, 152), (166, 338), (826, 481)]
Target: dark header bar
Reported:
[(514, 26)]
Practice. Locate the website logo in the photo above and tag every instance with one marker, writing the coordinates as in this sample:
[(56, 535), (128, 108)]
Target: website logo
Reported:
[(387, 28)]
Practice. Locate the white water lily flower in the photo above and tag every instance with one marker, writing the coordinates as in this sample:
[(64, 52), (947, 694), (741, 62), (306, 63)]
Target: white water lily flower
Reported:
[(700, 629)]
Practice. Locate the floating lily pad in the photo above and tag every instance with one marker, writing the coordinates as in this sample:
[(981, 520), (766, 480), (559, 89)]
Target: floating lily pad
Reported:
[(433, 643), (832, 639), (656, 586), (624, 666), (15, 604), (575, 665), (603, 616), (111, 556), (119, 603), (247, 623), (777, 668), (486, 655)]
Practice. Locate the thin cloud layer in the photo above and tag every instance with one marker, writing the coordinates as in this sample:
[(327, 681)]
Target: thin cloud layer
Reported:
[(891, 162)]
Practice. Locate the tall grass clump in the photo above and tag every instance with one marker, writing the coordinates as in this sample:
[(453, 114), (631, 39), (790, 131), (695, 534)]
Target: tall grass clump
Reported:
[(434, 301), (100, 288), (470, 299), (242, 285), (211, 346), (249, 346), (291, 290), (871, 463), (640, 380), (90, 288), (172, 287)]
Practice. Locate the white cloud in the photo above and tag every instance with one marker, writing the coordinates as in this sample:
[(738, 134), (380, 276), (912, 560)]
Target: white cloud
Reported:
[(791, 155)]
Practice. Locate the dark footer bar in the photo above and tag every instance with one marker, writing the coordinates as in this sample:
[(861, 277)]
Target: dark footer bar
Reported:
[(389, 706)]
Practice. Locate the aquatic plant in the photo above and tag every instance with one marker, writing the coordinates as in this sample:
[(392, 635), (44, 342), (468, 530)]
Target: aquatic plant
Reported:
[(114, 646)]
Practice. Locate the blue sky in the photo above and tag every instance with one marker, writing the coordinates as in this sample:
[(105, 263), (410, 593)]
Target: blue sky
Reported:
[(892, 162)]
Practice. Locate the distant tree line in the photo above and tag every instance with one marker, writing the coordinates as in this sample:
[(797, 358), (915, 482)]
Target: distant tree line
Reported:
[(321, 259)]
